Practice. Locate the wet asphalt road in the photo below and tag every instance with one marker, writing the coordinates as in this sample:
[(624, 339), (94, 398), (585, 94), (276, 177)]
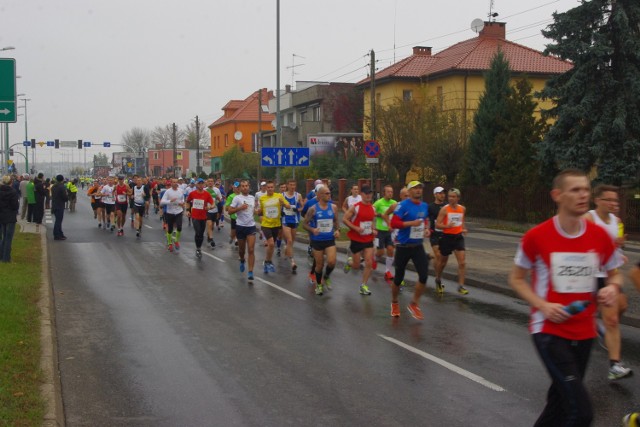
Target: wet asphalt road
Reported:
[(151, 338)]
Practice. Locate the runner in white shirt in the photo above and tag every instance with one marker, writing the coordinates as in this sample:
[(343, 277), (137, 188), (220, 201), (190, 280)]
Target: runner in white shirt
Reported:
[(213, 213), (173, 199), (244, 206), (139, 193), (351, 200), (109, 200), (261, 192)]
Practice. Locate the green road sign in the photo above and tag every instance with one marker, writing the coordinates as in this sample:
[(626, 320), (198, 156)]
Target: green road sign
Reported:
[(8, 90)]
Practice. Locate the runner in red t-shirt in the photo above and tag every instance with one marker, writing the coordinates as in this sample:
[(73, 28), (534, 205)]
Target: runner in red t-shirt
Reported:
[(360, 218), (198, 203), (122, 192)]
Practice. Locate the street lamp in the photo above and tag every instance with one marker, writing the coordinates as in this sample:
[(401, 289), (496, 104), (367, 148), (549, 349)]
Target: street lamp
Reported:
[(26, 134), (7, 48)]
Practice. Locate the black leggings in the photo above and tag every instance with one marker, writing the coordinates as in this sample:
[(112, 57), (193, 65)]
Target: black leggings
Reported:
[(173, 219), (199, 226), (566, 361), (416, 253)]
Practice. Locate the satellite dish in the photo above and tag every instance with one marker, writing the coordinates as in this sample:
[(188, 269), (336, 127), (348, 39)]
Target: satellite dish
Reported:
[(293, 125), (477, 25), (274, 123), (237, 136)]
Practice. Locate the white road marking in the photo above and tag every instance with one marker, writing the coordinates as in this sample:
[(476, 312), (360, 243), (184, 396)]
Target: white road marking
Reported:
[(458, 370), (213, 256), (148, 226), (273, 285)]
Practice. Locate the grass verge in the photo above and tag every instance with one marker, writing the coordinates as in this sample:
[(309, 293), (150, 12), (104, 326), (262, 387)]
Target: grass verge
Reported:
[(20, 374)]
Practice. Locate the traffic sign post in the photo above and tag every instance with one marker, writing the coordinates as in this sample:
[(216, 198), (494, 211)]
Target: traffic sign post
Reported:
[(372, 152), (8, 90), (284, 156)]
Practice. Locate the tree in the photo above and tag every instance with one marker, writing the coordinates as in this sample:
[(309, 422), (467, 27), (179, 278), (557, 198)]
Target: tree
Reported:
[(100, 159), (163, 136), (192, 139), (236, 164), (446, 143), (515, 147), (136, 139), (492, 107), (597, 102), (400, 128)]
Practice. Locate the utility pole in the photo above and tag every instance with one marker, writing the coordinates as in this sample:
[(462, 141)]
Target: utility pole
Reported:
[(278, 127), (373, 103), (175, 152), (197, 146), (259, 142)]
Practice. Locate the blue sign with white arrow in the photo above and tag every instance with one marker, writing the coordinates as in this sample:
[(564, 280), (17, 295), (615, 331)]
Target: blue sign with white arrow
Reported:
[(284, 156)]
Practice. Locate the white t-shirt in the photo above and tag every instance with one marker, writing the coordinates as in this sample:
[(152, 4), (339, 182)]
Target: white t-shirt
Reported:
[(107, 195), (173, 207), (138, 195), (352, 200), (245, 217), (217, 196)]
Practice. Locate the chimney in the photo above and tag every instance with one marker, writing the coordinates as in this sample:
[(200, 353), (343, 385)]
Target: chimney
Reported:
[(494, 30), (422, 50), (287, 88)]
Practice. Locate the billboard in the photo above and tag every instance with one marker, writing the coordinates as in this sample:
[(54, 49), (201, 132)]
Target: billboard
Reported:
[(339, 145)]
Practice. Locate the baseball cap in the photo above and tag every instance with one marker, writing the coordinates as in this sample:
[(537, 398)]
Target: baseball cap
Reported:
[(199, 180), (365, 189), (438, 190), (193, 181), (120, 176), (263, 183), (236, 184), (414, 184)]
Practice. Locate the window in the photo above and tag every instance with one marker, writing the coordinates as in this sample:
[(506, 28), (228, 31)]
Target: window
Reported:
[(226, 139), (303, 116), (291, 118), (440, 97), (316, 113), (407, 95), (155, 155)]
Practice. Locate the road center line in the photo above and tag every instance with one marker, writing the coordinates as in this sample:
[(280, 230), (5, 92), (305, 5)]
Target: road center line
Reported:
[(148, 226), (273, 285), (214, 257), (445, 364)]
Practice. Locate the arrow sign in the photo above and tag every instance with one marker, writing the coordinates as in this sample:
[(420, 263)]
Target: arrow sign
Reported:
[(7, 90), (285, 156), (26, 143), (5, 111)]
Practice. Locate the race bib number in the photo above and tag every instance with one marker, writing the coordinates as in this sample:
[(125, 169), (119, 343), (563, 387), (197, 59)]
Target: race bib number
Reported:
[(455, 219), (289, 212), (122, 198), (198, 204), (574, 272), (271, 212), (376, 242), (325, 225), (417, 232), (367, 228)]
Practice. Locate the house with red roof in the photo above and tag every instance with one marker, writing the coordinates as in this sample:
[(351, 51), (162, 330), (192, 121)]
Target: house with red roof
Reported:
[(455, 76), (240, 125)]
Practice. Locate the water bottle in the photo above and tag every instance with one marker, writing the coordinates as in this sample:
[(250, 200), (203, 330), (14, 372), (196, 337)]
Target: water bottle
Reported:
[(576, 307)]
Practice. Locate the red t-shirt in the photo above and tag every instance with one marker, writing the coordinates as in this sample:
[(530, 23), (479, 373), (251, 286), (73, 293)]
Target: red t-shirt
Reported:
[(563, 270), (121, 194), (364, 217), (198, 201)]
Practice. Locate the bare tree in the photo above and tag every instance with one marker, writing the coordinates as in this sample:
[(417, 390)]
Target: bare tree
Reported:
[(192, 139), (163, 136), (136, 139)]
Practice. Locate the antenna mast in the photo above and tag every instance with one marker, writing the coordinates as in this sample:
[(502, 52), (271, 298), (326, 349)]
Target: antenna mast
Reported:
[(294, 65)]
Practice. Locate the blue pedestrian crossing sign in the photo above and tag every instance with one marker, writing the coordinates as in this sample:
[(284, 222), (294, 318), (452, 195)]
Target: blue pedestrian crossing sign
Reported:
[(284, 156)]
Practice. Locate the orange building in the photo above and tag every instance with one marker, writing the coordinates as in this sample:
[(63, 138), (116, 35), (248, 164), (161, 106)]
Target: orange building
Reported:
[(240, 125)]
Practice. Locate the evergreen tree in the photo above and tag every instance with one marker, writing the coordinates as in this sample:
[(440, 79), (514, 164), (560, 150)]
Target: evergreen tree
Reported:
[(515, 147), (492, 108), (597, 102)]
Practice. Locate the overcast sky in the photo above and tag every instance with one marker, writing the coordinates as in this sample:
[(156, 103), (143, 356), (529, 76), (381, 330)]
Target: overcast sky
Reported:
[(95, 69)]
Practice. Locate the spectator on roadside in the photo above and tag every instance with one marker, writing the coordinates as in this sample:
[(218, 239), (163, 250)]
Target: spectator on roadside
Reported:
[(47, 193), (40, 193), (9, 206), (31, 200), (59, 198), (23, 195)]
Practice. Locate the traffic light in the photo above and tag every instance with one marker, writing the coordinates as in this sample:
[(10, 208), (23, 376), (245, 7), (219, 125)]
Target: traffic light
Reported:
[(33, 143), (57, 143), (11, 151), (79, 144)]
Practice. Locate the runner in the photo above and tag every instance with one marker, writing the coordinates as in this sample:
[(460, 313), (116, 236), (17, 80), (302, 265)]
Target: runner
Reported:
[(562, 256), (122, 192), (131, 184), (244, 205), (96, 202), (283, 189), (291, 219), (261, 192), (359, 218), (383, 240), (451, 222), (270, 209), (411, 218), (199, 202), (352, 199), (220, 216), (607, 200), (173, 200), (436, 234), (109, 200), (147, 197), (321, 221), (235, 190), (214, 212), (312, 200), (139, 193)]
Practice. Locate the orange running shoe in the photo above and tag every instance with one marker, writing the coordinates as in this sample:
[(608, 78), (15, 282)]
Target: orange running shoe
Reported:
[(395, 309), (415, 311)]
